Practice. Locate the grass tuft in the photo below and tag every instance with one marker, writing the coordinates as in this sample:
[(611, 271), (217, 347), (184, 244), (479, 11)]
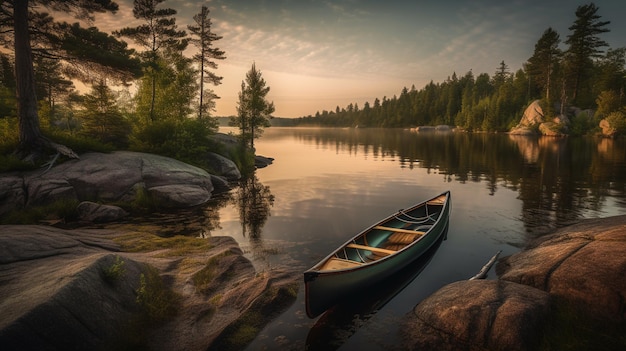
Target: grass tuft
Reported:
[(115, 271), (63, 210), (178, 245), (157, 301)]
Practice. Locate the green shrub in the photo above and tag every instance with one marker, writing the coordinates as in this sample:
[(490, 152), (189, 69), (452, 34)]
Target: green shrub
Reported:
[(143, 202), (157, 301), (78, 143), (10, 162), (581, 124), (186, 140), (617, 121), (115, 271), (243, 158)]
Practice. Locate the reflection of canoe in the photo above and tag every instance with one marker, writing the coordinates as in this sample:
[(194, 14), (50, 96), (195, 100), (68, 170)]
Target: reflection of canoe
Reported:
[(341, 321), (375, 253)]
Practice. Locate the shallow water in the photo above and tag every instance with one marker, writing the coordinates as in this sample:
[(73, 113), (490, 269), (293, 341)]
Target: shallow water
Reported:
[(326, 185)]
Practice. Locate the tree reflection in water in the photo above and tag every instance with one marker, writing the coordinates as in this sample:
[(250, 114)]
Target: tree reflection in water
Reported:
[(254, 201), (558, 179)]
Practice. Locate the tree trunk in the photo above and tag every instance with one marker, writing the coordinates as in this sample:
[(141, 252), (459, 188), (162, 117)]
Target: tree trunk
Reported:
[(32, 142), (201, 83), (30, 133), (153, 96)]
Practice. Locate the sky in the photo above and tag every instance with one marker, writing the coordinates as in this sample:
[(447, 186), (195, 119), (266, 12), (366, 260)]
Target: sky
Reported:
[(319, 54)]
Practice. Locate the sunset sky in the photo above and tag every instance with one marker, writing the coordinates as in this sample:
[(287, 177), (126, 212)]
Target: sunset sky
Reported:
[(319, 54)]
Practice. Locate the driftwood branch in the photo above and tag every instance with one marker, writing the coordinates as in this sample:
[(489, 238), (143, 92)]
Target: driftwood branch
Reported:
[(62, 149), (483, 272), (51, 162)]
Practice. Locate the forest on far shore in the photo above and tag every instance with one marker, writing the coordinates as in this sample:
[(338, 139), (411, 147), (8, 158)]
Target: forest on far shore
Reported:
[(587, 74), (171, 110)]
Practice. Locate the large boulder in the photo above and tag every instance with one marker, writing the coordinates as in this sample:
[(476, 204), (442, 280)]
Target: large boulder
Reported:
[(478, 315), (533, 115), (223, 166), (607, 129), (12, 194), (97, 213), (534, 122), (583, 265), (121, 176), (262, 161), (567, 287), (557, 127)]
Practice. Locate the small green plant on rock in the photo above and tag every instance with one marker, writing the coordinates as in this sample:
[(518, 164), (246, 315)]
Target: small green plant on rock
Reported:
[(115, 271), (155, 298), (204, 277)]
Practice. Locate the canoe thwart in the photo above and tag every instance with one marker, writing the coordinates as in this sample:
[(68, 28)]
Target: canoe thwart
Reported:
[(371, 248), (399, 230)]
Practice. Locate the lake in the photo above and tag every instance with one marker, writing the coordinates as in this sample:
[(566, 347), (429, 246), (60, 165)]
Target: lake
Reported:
[(325, 185)]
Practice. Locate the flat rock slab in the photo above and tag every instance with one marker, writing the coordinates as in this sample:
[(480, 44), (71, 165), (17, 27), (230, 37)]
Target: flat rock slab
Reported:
[(583, 264), (56, 292), (478, 315), (53, 291)]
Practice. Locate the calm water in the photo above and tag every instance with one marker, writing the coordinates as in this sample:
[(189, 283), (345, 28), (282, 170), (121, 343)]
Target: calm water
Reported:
[(327, 184)]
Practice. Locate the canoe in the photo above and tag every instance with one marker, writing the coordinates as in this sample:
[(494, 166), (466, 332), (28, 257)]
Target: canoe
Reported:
[(345, 318), (375, 253)]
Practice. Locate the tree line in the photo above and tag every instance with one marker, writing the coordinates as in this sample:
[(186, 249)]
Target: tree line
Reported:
[(39, 103), (583, 75)]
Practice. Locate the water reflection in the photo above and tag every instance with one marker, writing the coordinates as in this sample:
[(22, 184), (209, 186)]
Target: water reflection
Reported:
[(558, 180), (254, 201)]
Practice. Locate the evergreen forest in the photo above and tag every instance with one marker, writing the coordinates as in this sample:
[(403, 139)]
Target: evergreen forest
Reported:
[(579, 70)]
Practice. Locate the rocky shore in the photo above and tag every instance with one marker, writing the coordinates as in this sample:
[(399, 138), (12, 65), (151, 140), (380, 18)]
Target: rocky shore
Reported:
[(124, 287), (565, 291)]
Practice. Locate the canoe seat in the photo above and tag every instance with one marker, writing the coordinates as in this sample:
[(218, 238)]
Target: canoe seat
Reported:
[(335, 263), (401, 239), (371, 248), (395, 247)]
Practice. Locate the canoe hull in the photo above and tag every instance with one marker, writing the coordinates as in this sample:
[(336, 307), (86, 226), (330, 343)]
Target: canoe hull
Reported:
[(323, 288)]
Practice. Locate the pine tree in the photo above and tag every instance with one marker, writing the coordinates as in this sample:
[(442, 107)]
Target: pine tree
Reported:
[(23, 15), (102, 118), (501, 75), (206, 56), (542, 65), (253, 109), (159, 33), (584, 47)]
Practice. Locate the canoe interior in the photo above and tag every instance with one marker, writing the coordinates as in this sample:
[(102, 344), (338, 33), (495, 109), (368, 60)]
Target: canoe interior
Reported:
[(386, 237)]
